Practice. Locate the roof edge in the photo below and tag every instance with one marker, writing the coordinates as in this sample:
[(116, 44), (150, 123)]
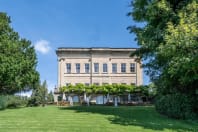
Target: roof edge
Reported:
[(96, 48)]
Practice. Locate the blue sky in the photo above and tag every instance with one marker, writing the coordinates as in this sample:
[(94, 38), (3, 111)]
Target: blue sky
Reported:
[(50, 24)]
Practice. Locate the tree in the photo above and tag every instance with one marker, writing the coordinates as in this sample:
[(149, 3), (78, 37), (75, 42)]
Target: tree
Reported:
[(39, 95), (17, 60), (168, 41), (43, 93), (50, 97)]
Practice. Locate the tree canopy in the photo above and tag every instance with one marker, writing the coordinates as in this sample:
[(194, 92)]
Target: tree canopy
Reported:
[(17, 60), (168, 42)]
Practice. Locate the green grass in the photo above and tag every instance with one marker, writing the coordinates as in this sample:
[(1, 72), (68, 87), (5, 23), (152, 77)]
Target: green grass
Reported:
[(90, 119)]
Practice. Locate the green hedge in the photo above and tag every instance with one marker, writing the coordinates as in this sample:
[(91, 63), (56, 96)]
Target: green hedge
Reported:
[(16, 101), (12, 101), (176, 105), (3, 102)]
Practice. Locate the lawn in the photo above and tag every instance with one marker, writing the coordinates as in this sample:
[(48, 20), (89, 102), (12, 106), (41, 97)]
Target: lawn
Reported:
[(90, 119)]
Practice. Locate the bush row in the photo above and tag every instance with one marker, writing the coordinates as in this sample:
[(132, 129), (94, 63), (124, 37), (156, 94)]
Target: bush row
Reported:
[(176, 105), (11, 101)]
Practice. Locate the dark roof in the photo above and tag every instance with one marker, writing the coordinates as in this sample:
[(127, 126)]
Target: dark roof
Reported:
[(99, 49)]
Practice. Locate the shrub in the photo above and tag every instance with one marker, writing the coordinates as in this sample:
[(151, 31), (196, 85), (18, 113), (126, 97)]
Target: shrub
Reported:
[(109, 104), (16, 101), (12, 101), (3, 102), (175, 105), (33, 101)]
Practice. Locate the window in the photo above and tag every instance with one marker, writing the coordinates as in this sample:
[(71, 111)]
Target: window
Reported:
[(105, 67), (68, 67), (114, 68), (86, 67), (97, 84), (67, 84), (86, 84), (77, 84), (104, 83), (123, 67), (132, 67), (123, 83), (77, 67), (96, 67)]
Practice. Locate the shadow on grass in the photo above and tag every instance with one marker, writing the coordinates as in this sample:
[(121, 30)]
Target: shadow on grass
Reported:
[(19, 107), (142, 116), (12, 107)]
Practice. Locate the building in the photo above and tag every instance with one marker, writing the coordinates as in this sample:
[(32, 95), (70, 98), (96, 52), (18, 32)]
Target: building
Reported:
[(97, 66)]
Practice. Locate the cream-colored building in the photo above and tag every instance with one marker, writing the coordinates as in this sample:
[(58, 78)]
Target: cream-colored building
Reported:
[(97, 66)]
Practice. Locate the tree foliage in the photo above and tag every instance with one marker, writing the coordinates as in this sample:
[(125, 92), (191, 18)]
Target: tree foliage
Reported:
[(17, 60), (39, 95), (168, 41), (12, 101), (114, 90), (50, 97), (118, 89)]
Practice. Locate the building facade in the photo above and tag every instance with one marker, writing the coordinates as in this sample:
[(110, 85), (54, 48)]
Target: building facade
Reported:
[(97, 66)]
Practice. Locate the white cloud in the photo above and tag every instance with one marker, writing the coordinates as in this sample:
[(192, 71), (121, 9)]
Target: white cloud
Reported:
[(42, 46)]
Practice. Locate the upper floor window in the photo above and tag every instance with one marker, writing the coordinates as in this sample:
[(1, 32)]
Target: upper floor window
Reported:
[(123, 67), (132, 67), (68, 67), (105, 67), (86, 67), (114, 68), (77, 67), (96, 67)]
